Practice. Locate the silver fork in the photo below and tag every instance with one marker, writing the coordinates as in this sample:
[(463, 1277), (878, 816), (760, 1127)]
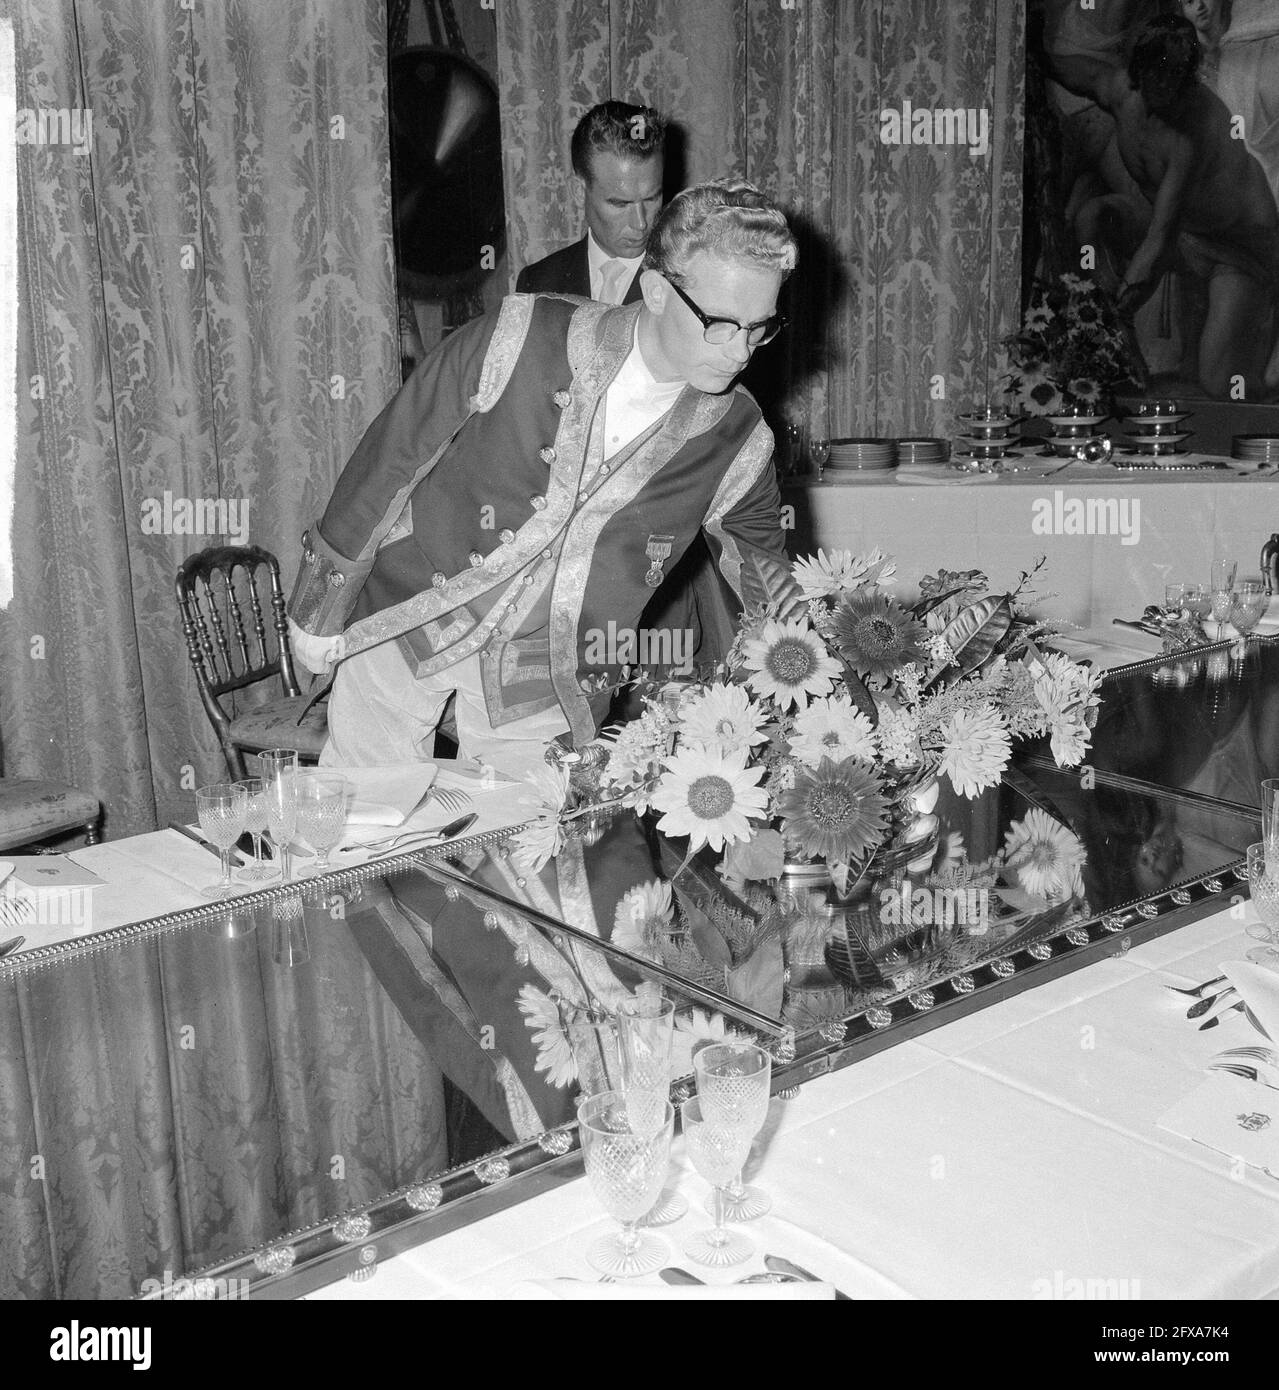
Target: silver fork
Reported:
[(1237, 1069), (390, 841), (1198, 989), (448, 797), (1258, 1054)]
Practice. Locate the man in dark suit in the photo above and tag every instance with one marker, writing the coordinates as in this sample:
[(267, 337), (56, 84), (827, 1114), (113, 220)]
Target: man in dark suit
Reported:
[(617, 154)]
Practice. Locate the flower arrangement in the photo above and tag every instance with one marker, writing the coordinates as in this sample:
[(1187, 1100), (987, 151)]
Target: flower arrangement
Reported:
[(816, 732), (1071, 351)]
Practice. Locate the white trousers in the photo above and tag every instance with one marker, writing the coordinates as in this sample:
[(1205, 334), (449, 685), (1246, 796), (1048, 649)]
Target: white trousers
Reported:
[(381, 714)]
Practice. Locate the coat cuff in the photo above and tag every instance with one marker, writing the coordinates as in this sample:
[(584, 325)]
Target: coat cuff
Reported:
[(327, 587)]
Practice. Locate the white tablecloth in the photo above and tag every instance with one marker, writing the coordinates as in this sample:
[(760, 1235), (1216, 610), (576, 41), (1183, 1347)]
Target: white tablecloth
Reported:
[(1011, 1154)]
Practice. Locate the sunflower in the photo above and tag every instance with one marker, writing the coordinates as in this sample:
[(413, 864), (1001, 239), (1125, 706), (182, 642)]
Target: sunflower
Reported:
[(789, 662), (709, 798), (976, 749), (877, 635), (1048, 857), (642, 919), (724, 719), (837, 812), (832, 728), (550, 1037)]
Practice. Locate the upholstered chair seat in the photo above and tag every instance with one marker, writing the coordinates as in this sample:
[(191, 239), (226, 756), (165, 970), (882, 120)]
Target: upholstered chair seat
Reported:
[(32, 809)]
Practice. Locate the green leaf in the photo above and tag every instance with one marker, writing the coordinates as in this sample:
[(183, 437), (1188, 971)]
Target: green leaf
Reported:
[(759, 858), (975, 634), (855, 689)]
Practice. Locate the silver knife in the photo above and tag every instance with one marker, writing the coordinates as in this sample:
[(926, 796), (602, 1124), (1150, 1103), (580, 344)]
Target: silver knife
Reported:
[(781, 1266), (671, 1275), (199, 839), (11, 945), (446, 832)]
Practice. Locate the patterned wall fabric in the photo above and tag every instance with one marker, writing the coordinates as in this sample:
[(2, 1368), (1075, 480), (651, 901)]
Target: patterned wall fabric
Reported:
[(207, 310), (910, 253)]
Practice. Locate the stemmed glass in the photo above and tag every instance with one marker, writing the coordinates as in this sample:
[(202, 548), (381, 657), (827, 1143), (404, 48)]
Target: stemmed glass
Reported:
[(1270, 820), (718, 1149), (1250, 602), (280, 788), (645, 1030), (1263, 875), (626, 1143), (255, 824), (220, 807), (321, 816), (1221, 585), (819, 452), (734, 1080)]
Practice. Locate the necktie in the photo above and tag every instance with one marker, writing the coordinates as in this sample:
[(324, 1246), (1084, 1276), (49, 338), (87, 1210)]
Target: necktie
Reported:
[(613, 280)]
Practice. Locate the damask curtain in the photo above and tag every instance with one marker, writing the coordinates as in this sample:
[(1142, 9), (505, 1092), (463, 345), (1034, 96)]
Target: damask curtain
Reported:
[(206, 310), (909, 253)]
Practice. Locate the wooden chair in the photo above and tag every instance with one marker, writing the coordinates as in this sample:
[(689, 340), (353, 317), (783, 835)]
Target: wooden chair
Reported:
[(32, 810), (224, 593)]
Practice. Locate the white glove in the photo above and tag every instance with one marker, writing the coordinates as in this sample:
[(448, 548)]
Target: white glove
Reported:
[(317, 654)]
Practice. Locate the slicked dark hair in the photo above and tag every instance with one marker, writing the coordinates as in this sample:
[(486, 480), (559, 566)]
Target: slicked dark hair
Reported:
[(617, 127)]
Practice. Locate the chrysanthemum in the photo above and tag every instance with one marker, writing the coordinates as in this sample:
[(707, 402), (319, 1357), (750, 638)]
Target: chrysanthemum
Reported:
[(1048, 857), (694, 1031), (832, 728), (539, 842), (642, 919), (789, 662), (837, 812), (723, 718), (975, 749), (822, 576), (877, 635), (554, 1052), (549, 789), (709, 798)]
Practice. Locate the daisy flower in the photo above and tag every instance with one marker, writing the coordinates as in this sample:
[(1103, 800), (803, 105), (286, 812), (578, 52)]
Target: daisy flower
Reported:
[(837, 812), (550, 1037), (877, 635), (544, 838), (975, 749), (832, 728), (725, 719), (694, 1031), (642, 919), (1047, 857), (709, 798), (821, 576), (789, 662)]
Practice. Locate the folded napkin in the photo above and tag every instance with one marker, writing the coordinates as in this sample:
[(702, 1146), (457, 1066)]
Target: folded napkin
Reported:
[(939, 475), (1232, 1116), (385, 796), (1259, 989), (587, 1291)]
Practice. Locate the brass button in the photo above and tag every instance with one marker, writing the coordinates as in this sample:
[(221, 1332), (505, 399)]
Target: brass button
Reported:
[(562, 399), (439, 579), (546, 555), (546, 454), (337, 578), (582, 496), (506, 535), (510, 608), (475, 558), (537, 503), (528, 579), (604, 468)]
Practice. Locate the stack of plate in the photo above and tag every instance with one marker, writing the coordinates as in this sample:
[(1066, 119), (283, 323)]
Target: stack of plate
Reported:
[(988, 435), (1157, 432), (922, 451), (1068, 433), (864, 454), (1261, 449)]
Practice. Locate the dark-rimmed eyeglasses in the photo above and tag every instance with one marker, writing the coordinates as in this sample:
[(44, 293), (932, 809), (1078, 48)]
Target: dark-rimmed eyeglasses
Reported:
[(720, 330)]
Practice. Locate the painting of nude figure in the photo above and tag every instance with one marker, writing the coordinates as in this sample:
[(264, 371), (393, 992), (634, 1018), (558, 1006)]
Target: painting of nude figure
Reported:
[(1153, 169)]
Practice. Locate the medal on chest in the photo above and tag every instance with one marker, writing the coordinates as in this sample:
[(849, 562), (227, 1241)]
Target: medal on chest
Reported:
[(657, 550)]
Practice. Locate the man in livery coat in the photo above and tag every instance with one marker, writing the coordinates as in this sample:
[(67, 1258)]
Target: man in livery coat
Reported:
[(532, 481)]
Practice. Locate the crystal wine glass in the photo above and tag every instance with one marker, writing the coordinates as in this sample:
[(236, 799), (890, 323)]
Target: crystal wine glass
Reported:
[(1270, 819), (819, 452), (1250, 602), (734, 1080), (645, 1030), (280, 777), (1263, 876), (321, 816), (626, 1144), (255, 824), (718, 1149), (1196, 600), (1221, 583), (220, 807)]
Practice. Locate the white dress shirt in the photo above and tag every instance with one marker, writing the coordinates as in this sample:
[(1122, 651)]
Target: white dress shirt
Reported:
[(596, 257)]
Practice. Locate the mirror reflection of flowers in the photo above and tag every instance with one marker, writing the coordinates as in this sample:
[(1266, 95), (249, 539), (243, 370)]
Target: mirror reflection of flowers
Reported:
[(1046, 857), (1071, 350)]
